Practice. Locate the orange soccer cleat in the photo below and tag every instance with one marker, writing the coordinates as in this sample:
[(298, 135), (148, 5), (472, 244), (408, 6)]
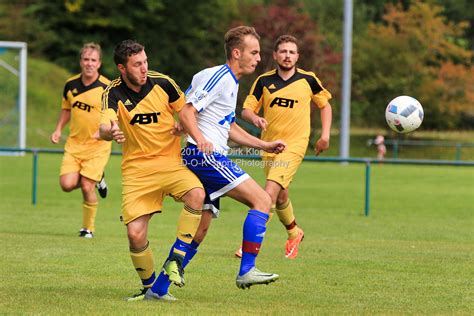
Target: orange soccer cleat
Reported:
[(293, 244)]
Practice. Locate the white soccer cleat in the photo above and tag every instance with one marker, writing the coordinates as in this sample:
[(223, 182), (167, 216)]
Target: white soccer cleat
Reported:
[(253, 277), (168, 297)]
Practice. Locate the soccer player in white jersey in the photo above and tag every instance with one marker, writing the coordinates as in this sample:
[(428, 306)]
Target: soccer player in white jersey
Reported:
[(209, 119)]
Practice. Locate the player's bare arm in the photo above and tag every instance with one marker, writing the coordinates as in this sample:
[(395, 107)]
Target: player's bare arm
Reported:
[(322, 143), (111, 132), (63, 119), (251, 117), (240, 136), (187, 117)]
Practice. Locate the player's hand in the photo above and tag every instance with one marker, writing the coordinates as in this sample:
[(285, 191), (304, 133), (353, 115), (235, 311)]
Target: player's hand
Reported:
[(55, 137), (178, 129), (275, 147), (116, 133), (321, 145), (260, 122), (205, 147)]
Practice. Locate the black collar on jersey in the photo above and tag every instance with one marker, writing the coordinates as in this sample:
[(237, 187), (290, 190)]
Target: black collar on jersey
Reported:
[(274, 82), (77, 87)]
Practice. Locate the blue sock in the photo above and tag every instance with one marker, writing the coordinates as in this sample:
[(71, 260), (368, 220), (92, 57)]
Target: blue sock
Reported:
[(163, 283), (180, 246), (192, 250), (148, 282), (254, 231)]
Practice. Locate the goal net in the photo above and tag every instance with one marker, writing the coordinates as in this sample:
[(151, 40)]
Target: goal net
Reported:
[(13, 57)]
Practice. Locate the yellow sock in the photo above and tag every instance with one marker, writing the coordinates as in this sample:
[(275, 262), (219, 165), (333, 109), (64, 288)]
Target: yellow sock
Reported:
[(144, 264), (89, 210), (188, 223), (287, 217)]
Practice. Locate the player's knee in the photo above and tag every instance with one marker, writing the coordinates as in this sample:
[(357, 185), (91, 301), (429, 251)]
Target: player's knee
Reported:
[(195, 198), (66, 187), (69, 182), (263, 202), (136, 238)]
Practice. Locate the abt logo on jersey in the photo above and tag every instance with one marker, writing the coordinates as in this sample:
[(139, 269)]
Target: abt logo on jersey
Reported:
[(82, 106), (284, 103), (145, 118)]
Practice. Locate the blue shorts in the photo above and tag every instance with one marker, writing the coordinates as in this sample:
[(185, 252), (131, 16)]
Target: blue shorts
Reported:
[(217, 173)]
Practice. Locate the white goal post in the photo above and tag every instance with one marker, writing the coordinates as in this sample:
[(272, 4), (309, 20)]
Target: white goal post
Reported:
[(21, 74)]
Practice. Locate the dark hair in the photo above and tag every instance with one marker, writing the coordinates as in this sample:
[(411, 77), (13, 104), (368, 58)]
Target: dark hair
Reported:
[(93, 46), (234, 38), (284, 39), (126, 49)]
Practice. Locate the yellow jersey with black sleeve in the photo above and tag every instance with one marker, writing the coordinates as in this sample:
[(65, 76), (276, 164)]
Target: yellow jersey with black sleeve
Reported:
[(84, 102), (146, 119), (286, 106)]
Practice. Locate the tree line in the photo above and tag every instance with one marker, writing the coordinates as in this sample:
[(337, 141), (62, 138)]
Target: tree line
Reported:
[(418, 48)]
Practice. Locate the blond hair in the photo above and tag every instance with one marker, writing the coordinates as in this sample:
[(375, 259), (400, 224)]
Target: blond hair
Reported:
[(234, 38), (93, 46)]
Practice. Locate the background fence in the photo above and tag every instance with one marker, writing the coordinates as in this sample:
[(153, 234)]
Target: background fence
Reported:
[(397, 143), (367, 161)]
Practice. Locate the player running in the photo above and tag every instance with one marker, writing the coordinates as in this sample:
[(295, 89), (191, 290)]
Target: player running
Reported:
[(285, 94), (85, 155)]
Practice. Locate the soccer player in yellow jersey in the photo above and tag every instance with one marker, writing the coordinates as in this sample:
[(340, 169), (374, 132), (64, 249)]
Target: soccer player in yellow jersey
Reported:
[(138, 111), (85, 155), (285, 94)]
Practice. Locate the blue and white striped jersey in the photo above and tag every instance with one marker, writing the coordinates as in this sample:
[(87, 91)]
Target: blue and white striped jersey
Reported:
[(213, 93)]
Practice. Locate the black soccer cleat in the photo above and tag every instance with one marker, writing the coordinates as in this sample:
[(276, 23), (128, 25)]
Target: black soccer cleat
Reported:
[(102, 187), (85, 233)]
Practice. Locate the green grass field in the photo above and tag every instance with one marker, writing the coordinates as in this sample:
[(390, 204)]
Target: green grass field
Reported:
[(412, 255)]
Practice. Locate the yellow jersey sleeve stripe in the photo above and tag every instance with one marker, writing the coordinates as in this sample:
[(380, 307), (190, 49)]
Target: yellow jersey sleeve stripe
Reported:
[(73, 78), (257, 84), (155, 74), (105, 94)]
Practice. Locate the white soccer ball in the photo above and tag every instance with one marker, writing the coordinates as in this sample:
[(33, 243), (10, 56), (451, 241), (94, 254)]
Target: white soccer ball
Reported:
[(404, 114)]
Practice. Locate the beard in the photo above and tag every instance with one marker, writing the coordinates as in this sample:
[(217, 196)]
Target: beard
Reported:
[(133, 80), (285, 68)]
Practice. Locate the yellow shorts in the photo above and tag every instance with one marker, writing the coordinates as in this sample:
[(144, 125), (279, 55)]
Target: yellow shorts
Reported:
[(143, 194), (92, 168), (282, 168)]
